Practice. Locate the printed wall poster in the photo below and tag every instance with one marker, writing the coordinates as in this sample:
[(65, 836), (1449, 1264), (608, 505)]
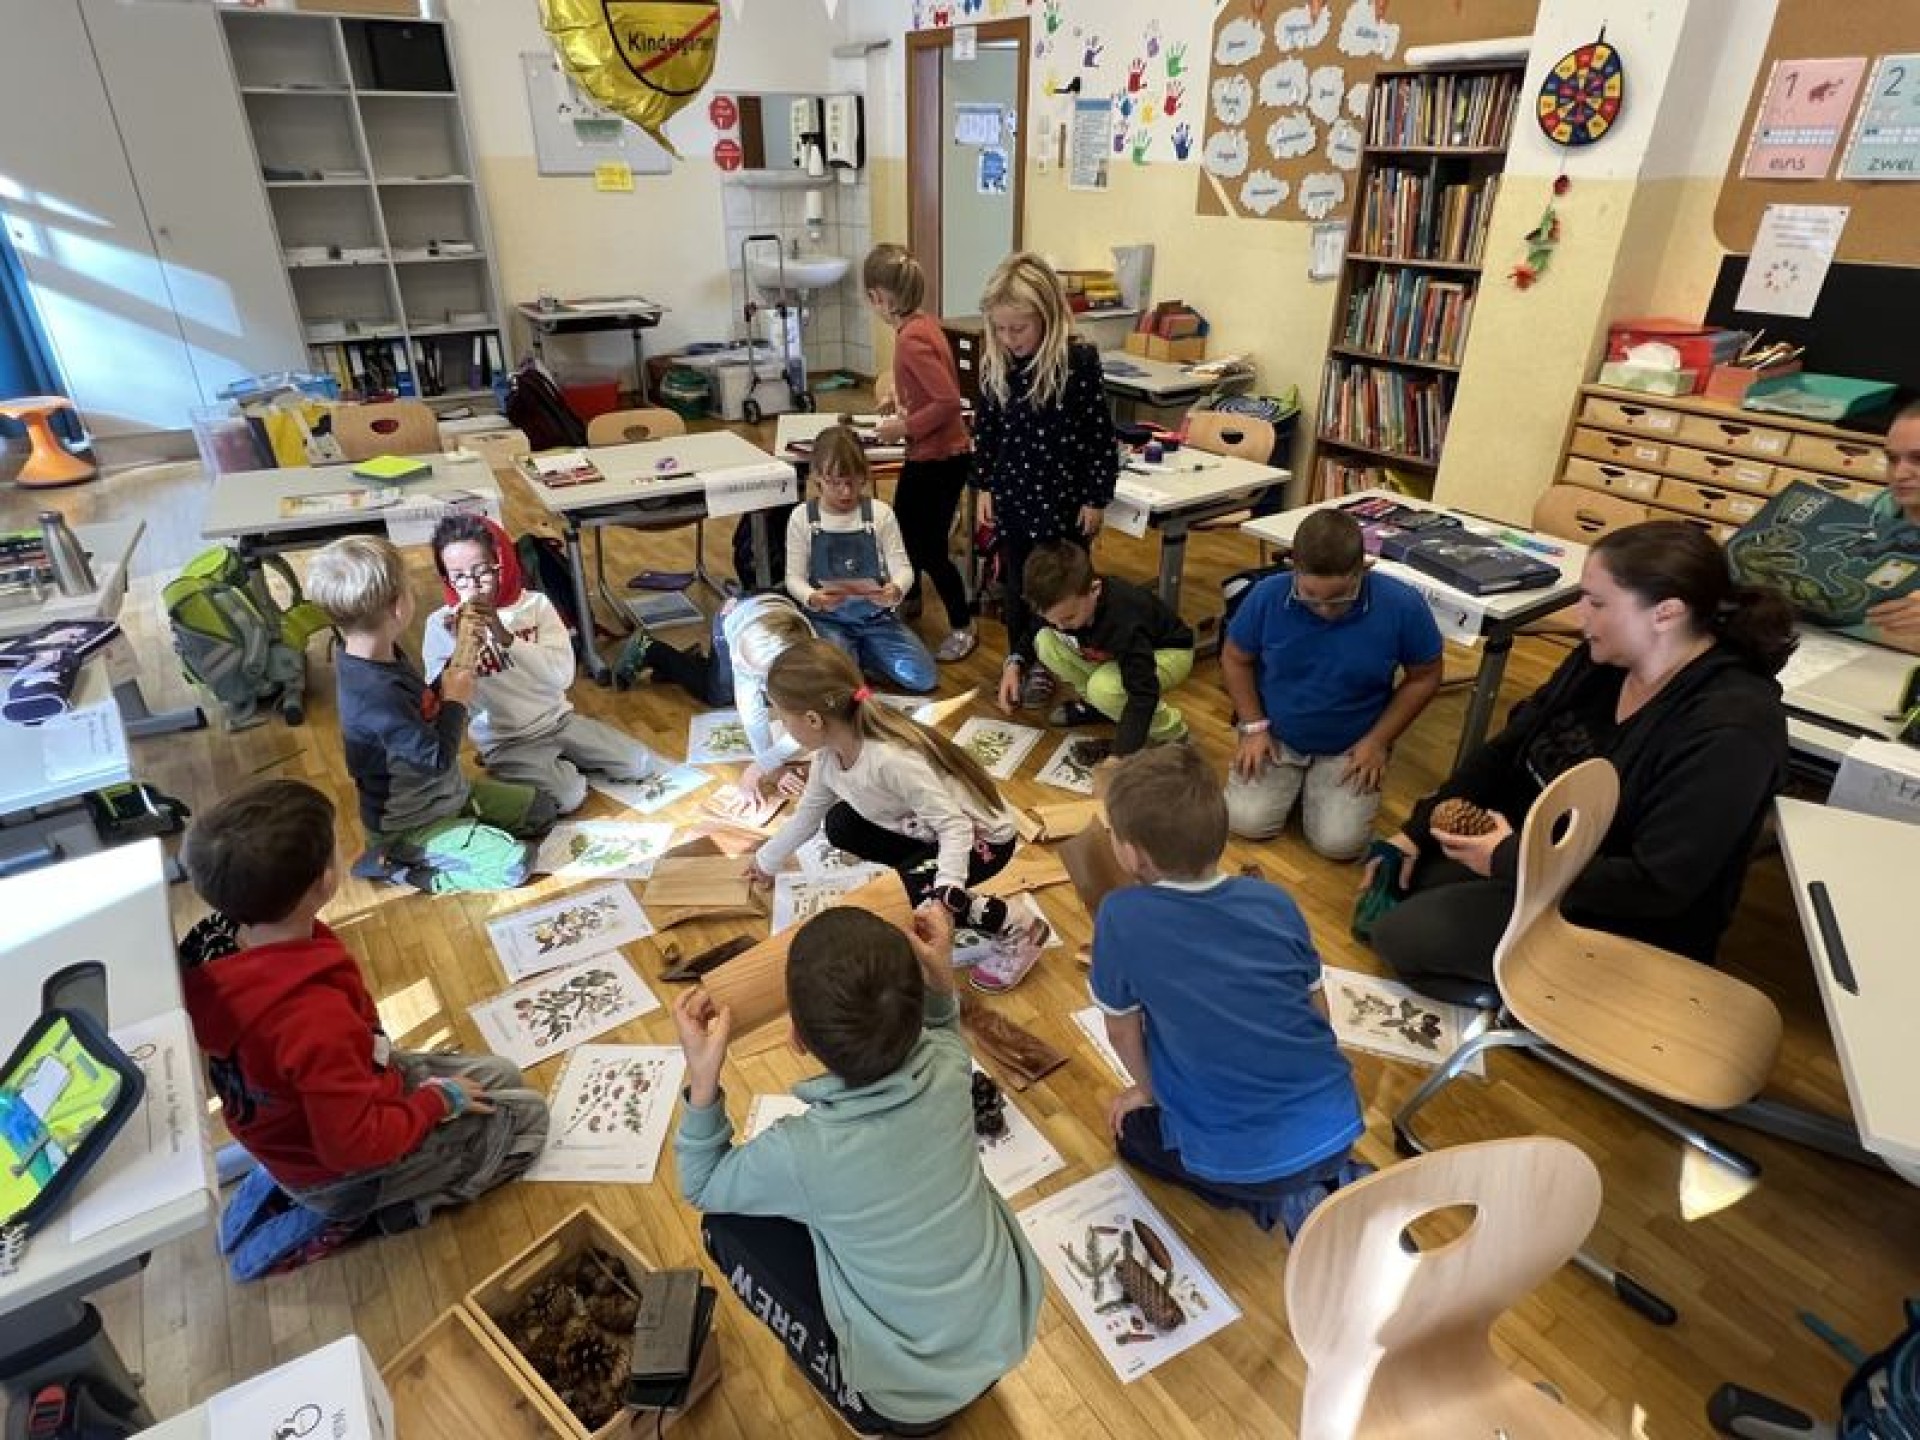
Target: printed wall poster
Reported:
[(1801, 119), (1790, 259), (1886, 135)]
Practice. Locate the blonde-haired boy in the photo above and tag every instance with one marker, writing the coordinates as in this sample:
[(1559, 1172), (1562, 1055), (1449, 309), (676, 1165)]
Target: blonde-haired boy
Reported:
[(427, 825)]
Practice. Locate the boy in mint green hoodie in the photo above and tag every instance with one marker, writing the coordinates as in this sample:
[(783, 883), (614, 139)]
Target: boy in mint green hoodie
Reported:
[(864, 1232)]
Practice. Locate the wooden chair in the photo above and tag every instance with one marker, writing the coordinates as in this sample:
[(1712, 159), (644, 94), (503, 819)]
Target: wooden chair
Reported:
[(631, 427), (1618, 1015), (1396, 1339), (386, 427), (1221, 432)]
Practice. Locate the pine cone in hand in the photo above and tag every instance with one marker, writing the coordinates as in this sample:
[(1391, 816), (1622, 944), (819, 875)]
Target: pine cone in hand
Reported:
[(1461, 817)]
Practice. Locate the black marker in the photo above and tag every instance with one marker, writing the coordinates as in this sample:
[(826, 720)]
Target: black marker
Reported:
[(1836, 947)]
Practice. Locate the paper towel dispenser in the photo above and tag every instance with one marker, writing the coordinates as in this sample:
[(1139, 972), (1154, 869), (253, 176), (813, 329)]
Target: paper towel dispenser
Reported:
[(778, 130)]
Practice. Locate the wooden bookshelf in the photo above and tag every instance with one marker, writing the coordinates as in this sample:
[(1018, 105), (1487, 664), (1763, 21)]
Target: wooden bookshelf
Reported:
[(1436, 143)]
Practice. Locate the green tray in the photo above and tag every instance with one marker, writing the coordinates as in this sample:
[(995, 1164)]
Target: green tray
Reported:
[(1817, 397)]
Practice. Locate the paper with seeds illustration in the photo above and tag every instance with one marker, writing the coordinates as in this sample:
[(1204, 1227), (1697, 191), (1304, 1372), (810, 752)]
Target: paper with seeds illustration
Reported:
[(800, 897), (603, 849), (999, 745), (610, 1109), (1388, 1018), (718, 738), (1128, 1277), (578, 924), (552, 1013), (1070, 767), (656, 791)]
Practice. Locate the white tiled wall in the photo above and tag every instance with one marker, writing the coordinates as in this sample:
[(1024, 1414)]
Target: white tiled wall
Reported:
[(837, 333)]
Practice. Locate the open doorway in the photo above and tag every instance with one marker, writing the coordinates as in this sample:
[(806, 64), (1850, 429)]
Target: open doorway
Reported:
[(966, 172)]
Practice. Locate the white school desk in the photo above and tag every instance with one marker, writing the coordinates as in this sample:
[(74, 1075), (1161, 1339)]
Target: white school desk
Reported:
[(24, 781), (798, 426), (1135, 380), (1864, 962), (244, 506), (632, 313), (109, 548), (110, 907), (651, 484), (1493, 619), (1174, 496), (1857, 696)]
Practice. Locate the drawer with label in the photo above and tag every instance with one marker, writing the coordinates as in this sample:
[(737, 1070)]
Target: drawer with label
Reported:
[(1864, 458), (1735, 472), (1735, 507), (1736, 435), (1615, 479), (1863, 491), (1614, 449), (1629, 415)]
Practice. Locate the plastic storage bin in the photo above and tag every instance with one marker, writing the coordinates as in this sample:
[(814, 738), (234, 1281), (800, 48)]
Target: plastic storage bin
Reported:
[(1818, 397)]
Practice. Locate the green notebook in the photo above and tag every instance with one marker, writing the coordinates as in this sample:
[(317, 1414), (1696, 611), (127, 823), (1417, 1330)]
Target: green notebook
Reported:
[(393, 469)]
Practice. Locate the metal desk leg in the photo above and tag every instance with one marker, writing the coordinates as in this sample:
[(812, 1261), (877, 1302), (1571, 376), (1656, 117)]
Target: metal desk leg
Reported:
[(639, 367), (762, 551), (1173, 561), (1486, 693), (596, 665), (142, 722)]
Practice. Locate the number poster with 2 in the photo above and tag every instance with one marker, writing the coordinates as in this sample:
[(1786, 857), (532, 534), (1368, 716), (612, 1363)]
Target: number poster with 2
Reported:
[(1886, 136)]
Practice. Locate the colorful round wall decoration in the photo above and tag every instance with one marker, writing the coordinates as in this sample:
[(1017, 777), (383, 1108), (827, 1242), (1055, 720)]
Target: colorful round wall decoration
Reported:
[(1581, 96)]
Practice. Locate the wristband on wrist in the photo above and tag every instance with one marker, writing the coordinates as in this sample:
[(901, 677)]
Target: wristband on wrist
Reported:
[(1254, 727), (454, 1096)]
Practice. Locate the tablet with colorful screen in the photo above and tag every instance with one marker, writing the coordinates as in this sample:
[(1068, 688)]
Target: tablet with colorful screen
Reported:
[(65, 1091)]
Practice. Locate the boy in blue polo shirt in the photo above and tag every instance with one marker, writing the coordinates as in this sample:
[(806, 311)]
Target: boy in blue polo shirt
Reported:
[(1327, 666), (1211, 991)]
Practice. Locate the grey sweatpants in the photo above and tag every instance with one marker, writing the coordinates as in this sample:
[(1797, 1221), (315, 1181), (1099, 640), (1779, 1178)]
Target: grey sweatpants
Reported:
[(553, 762), (458, 1161)]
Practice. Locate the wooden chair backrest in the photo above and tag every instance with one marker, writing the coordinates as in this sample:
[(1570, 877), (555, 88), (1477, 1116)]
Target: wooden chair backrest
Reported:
[(627, 427), (1581, 515), (1395, 1340), (1221, 432), (386, 427), (1562, 832)]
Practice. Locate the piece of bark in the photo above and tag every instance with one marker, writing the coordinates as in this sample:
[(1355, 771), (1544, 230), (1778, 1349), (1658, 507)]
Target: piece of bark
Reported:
[(1093, 867), (710, 958), (1017, 1050), (708, 881), (1029, 869)]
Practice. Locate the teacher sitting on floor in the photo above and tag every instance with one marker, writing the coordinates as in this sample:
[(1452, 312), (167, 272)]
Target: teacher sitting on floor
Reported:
[(1674, 685)]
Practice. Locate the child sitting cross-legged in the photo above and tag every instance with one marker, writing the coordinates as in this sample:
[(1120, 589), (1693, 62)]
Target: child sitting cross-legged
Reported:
[(1212, 996), (525, 726), (896, 793), (864, 1232), (350, 1127), (1116, 643)]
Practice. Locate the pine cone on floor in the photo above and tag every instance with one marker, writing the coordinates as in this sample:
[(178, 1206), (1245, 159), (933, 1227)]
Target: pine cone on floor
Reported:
[(1460, 817), (989, 1106), (1147, 1294)]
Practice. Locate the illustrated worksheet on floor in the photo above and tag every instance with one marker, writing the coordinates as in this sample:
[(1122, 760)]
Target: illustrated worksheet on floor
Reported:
[(552, 1013), (1385, 1017), (579, 924), (1126, 1274), (656, 792), (1093, 1024), (718, 737), (610, 1110), (800, 897), (999, 745), (603, 849)]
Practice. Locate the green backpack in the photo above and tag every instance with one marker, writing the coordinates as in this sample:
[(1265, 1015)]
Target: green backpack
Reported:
[(236, 639)]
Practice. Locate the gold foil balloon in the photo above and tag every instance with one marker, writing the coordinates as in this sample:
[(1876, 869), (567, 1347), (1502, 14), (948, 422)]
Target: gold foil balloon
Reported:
[(643, 59)]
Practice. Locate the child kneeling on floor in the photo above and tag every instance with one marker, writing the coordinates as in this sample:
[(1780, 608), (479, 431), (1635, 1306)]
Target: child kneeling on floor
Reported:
[(1212, 996), (864, 1231), (350, 1127), (526, 728), (894, 792), (427, 825), (1115, 643)]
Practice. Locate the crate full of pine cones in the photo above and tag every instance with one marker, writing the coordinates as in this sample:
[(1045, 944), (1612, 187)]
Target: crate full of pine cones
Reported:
[(563, 1313)]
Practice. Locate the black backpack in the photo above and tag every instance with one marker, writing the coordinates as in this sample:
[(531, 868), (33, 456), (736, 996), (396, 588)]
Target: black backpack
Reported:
[(536, 406), (544, 567)]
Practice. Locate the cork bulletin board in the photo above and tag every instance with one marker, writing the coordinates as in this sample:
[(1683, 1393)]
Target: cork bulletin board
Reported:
[(1287, 93), (1881, 228)]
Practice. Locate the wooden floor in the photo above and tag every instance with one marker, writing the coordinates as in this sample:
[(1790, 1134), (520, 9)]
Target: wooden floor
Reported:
[(1814, 1235)]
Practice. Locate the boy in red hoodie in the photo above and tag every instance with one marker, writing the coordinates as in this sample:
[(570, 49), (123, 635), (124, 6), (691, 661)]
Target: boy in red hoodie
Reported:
[(347, 1125)]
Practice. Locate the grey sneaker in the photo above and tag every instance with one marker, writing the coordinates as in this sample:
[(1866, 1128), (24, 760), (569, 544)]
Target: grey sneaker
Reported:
[(957, 646), (1073, 713), (1037, 688)]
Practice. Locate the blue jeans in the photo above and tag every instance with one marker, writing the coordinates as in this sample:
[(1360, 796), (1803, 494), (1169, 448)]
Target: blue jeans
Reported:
[(879, 642), (1285, 1200)]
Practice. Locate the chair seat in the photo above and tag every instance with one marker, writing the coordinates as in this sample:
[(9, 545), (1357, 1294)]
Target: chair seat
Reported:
[(1658, 1021)]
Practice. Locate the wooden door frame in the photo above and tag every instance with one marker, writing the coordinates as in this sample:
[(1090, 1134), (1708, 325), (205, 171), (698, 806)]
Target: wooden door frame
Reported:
[(926, 52)]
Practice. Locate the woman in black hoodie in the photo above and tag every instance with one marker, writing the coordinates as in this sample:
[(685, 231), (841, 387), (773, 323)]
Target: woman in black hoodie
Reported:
[(1674, 686)]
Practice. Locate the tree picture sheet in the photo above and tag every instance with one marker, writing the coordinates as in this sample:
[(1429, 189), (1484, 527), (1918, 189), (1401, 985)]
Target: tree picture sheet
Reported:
[(802, 896), (603, 849), (578, 924), (1071, 765), (553, 1013), (1387, 1018), (656, 792), (999, 745), (718, 738), (1124, 1271), (611, 1107)]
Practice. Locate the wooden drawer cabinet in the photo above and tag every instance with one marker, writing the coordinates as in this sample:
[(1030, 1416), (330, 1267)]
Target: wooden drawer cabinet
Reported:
[(1843, 457), (1633, 450), (964, 337), (1735, 435), (1630, 415), (1616, 479), (1736, 507), (1864, 491), (1736, 472)]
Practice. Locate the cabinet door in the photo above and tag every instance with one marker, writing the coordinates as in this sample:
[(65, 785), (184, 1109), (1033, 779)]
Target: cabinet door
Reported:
[(186, 137), (75, 220)]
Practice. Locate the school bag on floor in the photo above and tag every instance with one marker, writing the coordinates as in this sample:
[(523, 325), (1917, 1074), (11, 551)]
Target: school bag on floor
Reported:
[(236, 639), (541, 413)]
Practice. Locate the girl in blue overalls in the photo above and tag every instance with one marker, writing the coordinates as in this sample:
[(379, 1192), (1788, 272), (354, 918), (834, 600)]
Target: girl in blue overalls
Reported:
[(847, 565)]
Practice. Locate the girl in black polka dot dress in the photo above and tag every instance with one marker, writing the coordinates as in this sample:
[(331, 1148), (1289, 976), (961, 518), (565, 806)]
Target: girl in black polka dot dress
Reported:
[(1044, 449)]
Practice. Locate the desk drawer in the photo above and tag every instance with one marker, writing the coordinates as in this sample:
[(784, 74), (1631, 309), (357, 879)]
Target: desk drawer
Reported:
[(1629, 450), (1628, 415), (1733, 472), (1736, 507), (1616, 479), (1863, 491), (1842, 457), (1735, 435)]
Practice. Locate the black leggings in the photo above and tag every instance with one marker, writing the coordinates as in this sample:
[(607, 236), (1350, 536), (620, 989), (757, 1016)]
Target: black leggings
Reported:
[(916, 860), (924, 502), (708, 678), (1441, 938)]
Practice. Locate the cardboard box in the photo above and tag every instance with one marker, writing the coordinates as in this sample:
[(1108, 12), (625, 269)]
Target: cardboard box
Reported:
[(452, 1383), (501, 1293), (1177, 352), (1731, 383), (336, 1386)]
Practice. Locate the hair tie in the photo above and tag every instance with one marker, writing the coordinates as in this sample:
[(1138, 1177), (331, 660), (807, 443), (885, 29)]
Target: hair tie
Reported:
[(862, 695)]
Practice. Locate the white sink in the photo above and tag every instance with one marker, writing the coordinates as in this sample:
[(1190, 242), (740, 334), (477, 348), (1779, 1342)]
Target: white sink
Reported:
[(804, 272)]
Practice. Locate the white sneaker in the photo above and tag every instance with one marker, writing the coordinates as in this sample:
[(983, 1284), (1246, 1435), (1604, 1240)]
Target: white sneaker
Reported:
[(957, 646)]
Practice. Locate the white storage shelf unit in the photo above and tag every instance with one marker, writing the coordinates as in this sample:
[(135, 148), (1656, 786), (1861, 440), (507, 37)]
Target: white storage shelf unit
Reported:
[(365, 157)]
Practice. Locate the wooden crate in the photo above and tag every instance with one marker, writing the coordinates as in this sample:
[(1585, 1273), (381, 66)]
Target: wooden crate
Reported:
[(453, 1383), (502, 1292)]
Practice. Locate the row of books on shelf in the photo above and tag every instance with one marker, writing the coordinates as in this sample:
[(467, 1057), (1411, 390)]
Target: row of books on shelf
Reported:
[(1471, 110), (1410, 315), (1382, 409), (1404, 213), (1338, 475), (436, 364)]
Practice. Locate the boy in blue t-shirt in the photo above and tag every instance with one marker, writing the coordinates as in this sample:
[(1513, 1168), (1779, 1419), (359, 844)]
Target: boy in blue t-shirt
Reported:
[(1326, 666), (1211, 990)]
